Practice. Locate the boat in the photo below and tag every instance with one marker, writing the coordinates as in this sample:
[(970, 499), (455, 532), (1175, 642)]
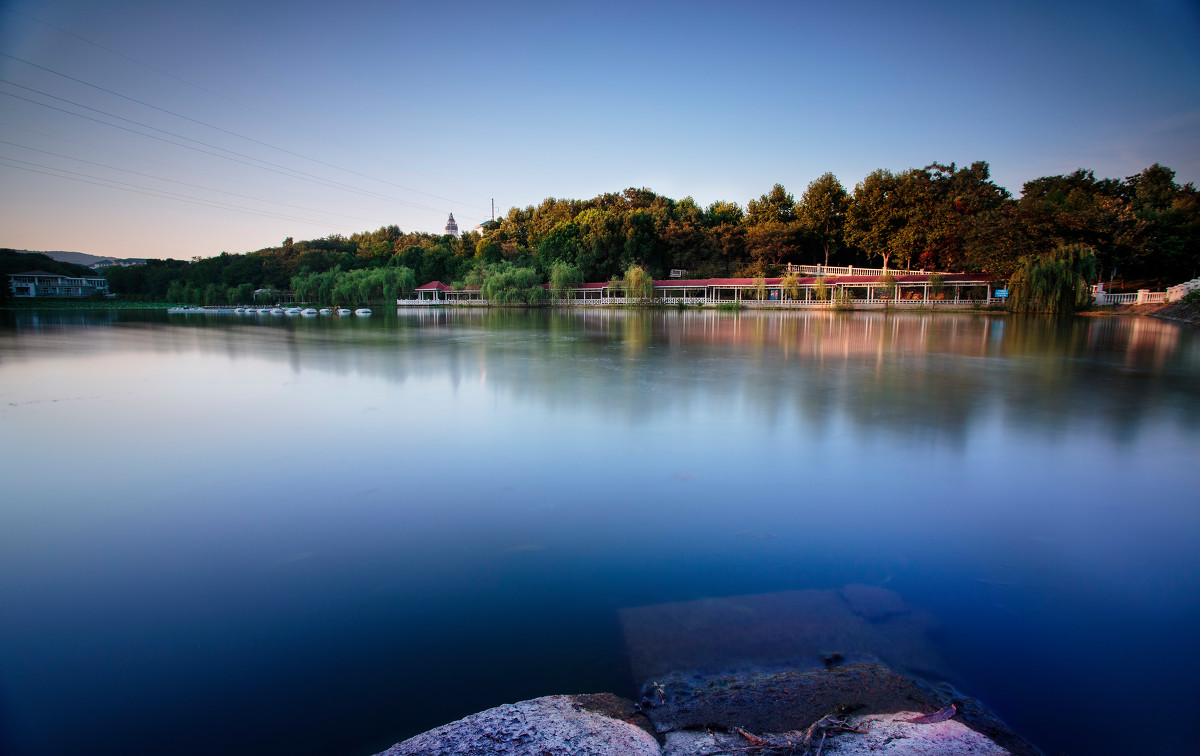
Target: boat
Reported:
[(238, 310), (276, 311), (326, 311), (343, 311), (362, 311), (292, 311), (308, 311)]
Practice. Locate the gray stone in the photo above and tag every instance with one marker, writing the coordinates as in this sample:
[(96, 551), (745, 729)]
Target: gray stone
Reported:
[(596, 725), (883, 734)]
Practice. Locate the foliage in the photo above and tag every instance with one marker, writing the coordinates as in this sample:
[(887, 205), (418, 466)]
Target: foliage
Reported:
[(820, 288), (822, 212), (505, 283), (937, 283), (1054, 282), (789, 285), (760, 288), (638, 284), (940, 217), (841, 300), (354, 287), (887, 282), (563, 277)]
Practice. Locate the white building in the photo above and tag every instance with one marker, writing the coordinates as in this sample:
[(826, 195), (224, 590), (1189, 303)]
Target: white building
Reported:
[(39, 283)]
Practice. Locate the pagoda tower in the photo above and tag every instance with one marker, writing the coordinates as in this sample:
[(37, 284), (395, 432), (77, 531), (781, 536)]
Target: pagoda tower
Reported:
[(451, 226)]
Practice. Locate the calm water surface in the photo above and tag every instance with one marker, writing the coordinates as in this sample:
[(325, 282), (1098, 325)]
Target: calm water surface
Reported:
[(310, 536)]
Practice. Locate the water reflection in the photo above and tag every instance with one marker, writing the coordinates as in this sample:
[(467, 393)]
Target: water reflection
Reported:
[(908, 373), (433, 512)]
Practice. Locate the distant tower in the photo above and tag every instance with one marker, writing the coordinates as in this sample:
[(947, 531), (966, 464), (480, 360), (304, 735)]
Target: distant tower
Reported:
[(451, 226)]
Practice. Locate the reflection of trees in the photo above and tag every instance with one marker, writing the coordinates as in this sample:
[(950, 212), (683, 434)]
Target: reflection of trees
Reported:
[(915, 374)]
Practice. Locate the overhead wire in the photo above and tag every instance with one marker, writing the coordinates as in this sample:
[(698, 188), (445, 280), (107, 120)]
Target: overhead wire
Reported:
[(275, 168), (226, 98), (111, 184), (183, 183), (232, 133)]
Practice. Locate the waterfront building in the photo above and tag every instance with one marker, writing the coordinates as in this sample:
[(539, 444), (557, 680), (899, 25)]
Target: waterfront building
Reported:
[(39, 283), (853, 286)]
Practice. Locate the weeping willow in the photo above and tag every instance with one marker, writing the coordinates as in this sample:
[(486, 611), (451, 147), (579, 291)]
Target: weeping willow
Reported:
[(1055, 282), (638, 283), (505, 284), (564, 277), (821, 289), (790, 284), (354, 287), (760, 288)]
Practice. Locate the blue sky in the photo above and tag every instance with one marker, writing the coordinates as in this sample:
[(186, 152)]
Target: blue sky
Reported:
[(317, 118)]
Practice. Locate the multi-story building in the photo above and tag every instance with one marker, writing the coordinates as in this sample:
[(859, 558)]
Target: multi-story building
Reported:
[(39, 283)]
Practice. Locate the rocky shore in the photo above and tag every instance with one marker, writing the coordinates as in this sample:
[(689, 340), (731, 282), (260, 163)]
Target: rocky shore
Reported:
[(848, 709), (793, 672)]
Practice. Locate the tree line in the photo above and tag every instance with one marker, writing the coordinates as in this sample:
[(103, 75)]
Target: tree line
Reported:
[(1144, 227)]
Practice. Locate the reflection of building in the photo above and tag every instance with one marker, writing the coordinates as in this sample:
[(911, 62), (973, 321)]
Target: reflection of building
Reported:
[(907, 290), (39, 283), (452, 226)]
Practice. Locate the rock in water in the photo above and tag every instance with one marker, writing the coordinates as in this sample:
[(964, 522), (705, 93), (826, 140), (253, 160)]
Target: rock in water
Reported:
[(597, 725)]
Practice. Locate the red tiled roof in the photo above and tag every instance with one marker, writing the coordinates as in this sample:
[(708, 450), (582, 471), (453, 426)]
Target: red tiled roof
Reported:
[(439, 286)]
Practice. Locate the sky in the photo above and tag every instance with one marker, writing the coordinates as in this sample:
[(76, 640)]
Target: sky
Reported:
[(150, 129)]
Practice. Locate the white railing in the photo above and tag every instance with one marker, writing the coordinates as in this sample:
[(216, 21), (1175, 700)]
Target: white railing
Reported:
[(440, 302), (850, 270), (1155, 297), (1178, 292)]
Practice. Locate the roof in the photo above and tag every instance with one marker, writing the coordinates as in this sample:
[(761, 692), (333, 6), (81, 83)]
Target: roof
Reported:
[(42, 273), (439, 286)]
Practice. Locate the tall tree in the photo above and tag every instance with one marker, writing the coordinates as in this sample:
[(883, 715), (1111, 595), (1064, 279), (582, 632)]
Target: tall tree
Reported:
[(874, 218), (776, 206), (822, 212)]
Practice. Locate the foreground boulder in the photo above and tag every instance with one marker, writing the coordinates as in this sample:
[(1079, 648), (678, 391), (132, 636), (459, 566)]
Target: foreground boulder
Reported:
[(872, 734), (592, 725)]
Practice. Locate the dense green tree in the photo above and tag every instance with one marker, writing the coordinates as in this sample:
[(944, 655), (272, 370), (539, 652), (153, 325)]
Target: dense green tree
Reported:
[(822, 212), (776, 206), (876, 216)]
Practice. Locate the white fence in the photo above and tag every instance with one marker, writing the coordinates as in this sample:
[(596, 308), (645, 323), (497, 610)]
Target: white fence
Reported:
[(1143, 296), (849, 270), (1176, 293)]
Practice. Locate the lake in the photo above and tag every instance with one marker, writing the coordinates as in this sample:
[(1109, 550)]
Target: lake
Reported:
[(244, 534)]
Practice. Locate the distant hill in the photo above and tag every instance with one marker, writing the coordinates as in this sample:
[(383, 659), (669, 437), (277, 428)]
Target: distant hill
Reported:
[(79, 258)]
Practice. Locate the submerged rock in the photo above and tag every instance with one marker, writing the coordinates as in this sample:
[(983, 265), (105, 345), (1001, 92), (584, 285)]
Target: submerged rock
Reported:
[(793, 629), (588, 725)]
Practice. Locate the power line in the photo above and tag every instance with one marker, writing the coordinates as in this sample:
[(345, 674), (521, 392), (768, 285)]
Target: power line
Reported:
[(225, 131), (160, 195), (276, 168), (141, 158), (182, 183), (222, 97)]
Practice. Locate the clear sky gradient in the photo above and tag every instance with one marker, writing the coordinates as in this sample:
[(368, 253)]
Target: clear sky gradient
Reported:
[(266, 120)]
